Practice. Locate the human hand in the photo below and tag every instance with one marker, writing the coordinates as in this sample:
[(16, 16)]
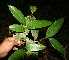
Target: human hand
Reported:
[(7, 45)]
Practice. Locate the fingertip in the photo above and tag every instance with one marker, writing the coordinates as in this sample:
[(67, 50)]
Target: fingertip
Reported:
[(15, 48), (19, 42)]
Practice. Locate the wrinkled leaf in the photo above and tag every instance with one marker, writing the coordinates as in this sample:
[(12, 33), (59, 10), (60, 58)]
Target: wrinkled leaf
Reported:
[(35, 34), (34, 47), (19, 36), (57, 45), (16, 28), (17, 14), (33, 9), (53, 29), (29, 19), (38, 24), (30, 53), (17, 55)]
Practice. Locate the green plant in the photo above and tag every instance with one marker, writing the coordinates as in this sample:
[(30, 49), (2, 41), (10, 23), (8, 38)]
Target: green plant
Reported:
[(28, 24)]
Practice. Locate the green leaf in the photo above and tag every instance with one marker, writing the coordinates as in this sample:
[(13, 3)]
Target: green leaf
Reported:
[(16, 28), (17, 55), (35, 33), (17, 14), (33, 9), (38, 24), (57, 45), (53, 29), (34, 47)]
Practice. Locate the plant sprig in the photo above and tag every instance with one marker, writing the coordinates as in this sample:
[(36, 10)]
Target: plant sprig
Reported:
[(29, 23)]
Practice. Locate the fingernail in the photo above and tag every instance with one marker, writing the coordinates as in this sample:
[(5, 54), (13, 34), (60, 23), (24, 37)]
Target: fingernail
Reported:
[(15, 48)]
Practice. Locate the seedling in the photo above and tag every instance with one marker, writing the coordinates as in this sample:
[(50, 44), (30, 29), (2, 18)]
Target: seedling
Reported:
[(29, 23)]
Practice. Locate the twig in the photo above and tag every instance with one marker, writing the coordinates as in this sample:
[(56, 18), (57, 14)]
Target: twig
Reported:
[(65, 53)]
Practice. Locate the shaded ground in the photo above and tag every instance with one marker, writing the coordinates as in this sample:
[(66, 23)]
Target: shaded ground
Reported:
[(49, 10)]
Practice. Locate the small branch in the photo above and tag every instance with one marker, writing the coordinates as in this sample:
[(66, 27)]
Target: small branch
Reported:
[(65, 53), (66, 46), (42, 38)]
